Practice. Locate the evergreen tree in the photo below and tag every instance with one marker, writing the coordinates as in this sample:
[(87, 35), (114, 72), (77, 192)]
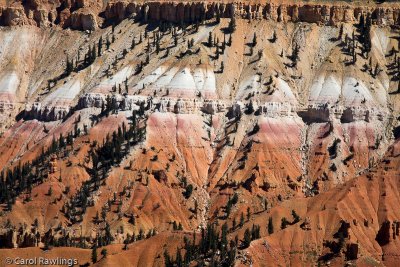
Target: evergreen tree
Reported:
[(148, 48), (167, 259), (158, 47), (50, 191), (108, 236), (295, 54), (398, 75), (234, 199), (361, 23), (139, 68), (270, 226), (254, 42), (366, 36), (94, 55), (241, 219), (100, 46), (223, 46), (126, 84), (296, 218), (340, 32), (179, 261), (133, 43), (274, 37), (232, 24), (224, 240), (341, 242), (255, 232), (69, 67), (246, 238), (260, 53), (94, 254), (218, 17), (284, 223), (196, 206), (62, 141), (354, 49), (377, 70), (209, 42), (188, 191), (108, 43), (104, 253)]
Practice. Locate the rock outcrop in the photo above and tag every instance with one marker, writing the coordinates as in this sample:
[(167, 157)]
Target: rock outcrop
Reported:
[(88, 15), (37, 111)]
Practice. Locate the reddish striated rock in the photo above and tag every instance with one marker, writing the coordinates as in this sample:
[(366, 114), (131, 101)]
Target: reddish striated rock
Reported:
[(306, 225), (83, 20), (116, 11), (13, 16), (63, 17), (85, 14), (42, 17), (53, 164)]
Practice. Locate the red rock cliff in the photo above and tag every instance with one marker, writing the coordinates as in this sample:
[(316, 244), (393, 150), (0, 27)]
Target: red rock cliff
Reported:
[(90, 14)]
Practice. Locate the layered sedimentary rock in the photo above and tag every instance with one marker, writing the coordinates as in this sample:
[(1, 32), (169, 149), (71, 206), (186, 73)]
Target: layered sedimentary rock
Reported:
[(86, 15)]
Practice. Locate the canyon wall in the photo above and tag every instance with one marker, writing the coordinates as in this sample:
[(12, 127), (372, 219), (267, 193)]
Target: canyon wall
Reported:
[(89, 14)]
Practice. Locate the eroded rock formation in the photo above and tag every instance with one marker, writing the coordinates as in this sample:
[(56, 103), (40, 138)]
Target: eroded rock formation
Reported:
[(88, 15)]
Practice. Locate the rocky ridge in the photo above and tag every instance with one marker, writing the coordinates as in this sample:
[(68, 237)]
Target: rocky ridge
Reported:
[(89, 14)]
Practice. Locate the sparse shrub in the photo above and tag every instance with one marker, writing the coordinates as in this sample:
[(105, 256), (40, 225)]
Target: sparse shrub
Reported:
[(188, 191)]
